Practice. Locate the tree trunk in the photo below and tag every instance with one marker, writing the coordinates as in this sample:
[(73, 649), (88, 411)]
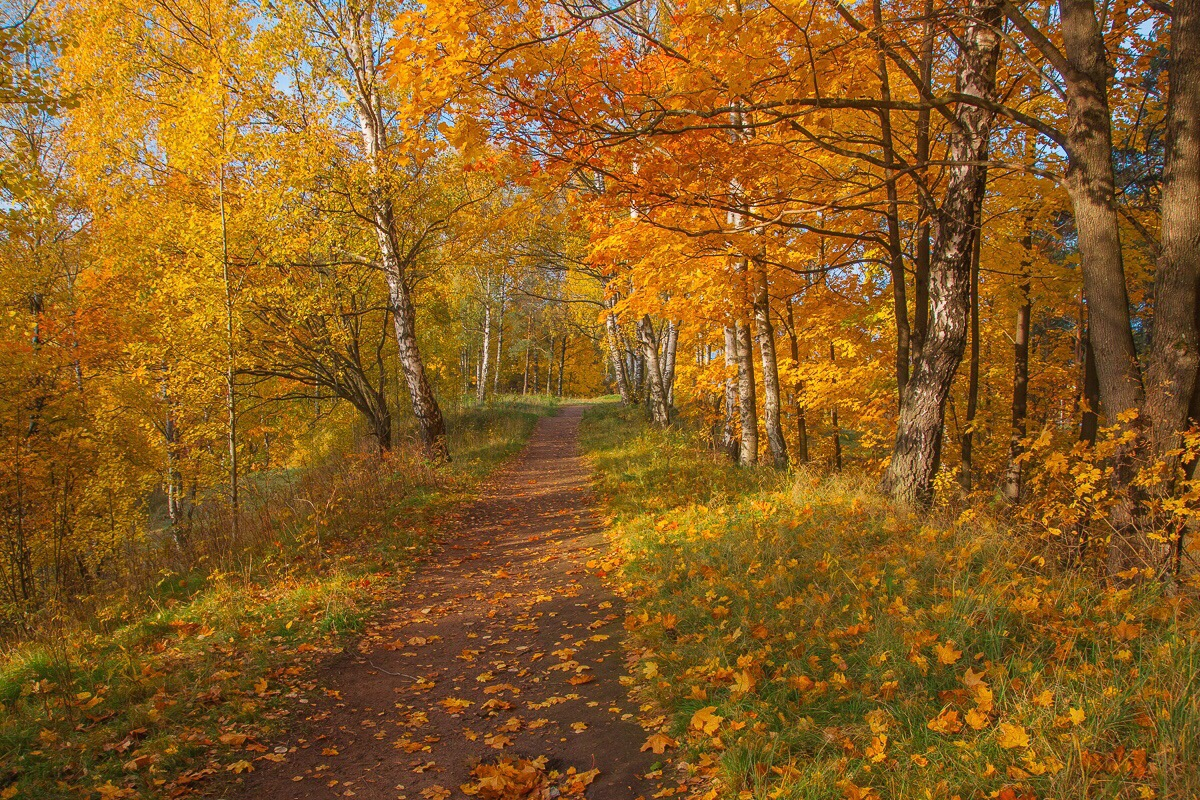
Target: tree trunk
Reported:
[(533, 375), (966, 474), (525, 380), (747, 399), (611, 335), (921, 265), (797, 390), (892, 215), (766, 346), (909, 477), (669, 347), (1089, 423), (562, 363), (231, 399), (499, 344), (656, 393), (1175, 352), (1090, 182), (731, 393), (833, 418), (431, 426), (1020, 399), (485, 354)]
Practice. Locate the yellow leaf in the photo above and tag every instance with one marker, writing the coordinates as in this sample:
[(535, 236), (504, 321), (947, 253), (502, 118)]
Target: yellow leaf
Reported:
[(977, 719), (1044, 700), (1127, 631), (658, 743), (706, 720), (239, 767), (877, 750), (946, 654), (945, 722), (971, 678), (1077, 716), (743, 682), (984, 698), (1012, 736)]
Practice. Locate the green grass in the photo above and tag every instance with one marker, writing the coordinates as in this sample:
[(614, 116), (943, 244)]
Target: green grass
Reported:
[(136, 702), (828, 631)]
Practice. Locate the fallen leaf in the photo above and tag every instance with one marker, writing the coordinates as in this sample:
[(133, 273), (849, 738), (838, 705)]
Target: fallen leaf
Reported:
[(706, 720), (1011, 736), (658, 743)]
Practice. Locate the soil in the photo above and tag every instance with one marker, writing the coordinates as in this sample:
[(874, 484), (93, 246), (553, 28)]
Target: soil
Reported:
[(506, 614)]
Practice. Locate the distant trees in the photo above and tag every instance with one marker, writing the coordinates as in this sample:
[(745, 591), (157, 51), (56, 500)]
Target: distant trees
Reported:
[(860, 178)]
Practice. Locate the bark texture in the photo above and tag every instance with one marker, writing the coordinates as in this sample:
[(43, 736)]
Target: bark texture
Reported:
[(766, 345), (656, 392), (431, 426), (747, 397), (909, 477)]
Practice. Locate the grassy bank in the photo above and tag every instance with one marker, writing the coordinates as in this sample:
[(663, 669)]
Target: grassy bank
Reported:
[(806, 640), (181, 680)]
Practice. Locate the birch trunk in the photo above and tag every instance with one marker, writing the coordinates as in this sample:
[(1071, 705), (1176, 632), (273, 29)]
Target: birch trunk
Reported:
[(431, 426), (499, 343), (747, 398), (562, 363), (731, 442), (611, 331), (770, 364), (656, 393), (669, 347), (485, 354), (909, 477)]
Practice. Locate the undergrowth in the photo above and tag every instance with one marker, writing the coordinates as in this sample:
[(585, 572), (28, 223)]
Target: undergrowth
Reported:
[(174, 682), (808, 640)]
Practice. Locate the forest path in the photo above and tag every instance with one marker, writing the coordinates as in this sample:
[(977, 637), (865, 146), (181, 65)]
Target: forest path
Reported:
[(505, 645)]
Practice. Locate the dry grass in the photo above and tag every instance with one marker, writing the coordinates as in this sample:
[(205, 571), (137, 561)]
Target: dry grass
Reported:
[(852, 651)]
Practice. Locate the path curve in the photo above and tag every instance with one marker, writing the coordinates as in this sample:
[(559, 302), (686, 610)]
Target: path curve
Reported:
[(505, 615)]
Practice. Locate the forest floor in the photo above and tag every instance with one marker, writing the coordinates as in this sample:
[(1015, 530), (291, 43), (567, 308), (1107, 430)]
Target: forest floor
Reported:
[(497, 673)]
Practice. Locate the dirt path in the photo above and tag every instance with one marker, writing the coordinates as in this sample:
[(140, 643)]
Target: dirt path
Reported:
[(507, 647)]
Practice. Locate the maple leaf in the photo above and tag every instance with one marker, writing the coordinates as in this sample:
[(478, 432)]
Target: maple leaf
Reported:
[(1127, 631), (498, 741), (435, 792), (238, 767), (971, 678), (801, 682), (946, 654), (984, 697), (977, 719), (658, 743), (1011, 736), (877, 750), (706, 720), (946, 722), (110, 792)]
